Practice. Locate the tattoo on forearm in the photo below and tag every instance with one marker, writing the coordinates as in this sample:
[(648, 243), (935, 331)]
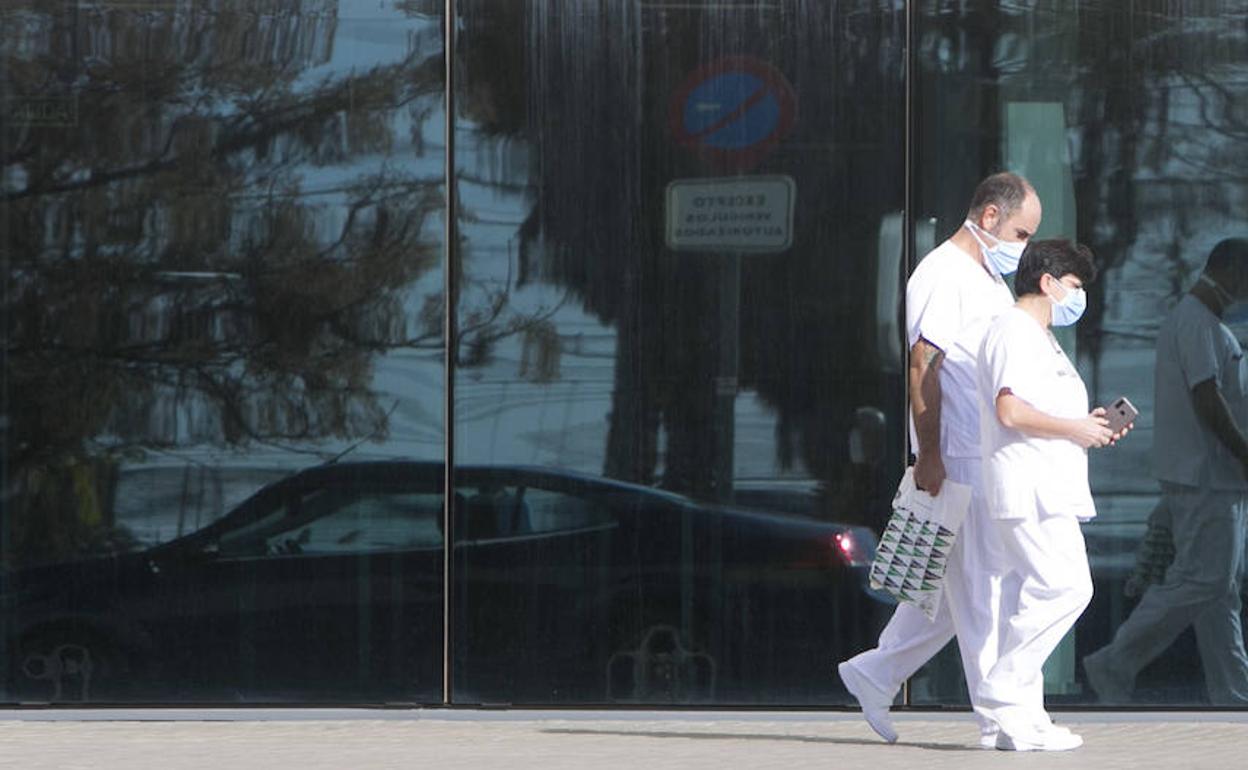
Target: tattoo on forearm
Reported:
[(931, 356)]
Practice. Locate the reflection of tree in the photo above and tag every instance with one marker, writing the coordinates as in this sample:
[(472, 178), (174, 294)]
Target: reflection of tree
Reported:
[(1159, 132), (1152, 93), (213, 252), (598, 83)]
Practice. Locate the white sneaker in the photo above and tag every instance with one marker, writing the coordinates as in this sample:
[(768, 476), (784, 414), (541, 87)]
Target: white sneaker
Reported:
[(988, 738), (1052, 728), (873, 702), (1058, 739)]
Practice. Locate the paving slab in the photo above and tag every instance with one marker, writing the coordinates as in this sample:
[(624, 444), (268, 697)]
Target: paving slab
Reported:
[(314, 739)]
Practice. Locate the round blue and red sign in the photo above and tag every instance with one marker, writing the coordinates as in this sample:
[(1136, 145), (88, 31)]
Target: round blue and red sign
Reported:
[(733, 111)]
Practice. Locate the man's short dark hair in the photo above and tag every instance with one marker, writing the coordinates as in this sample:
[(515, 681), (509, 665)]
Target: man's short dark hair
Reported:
[(1055, 256), (1230, 255), (1005, 190)]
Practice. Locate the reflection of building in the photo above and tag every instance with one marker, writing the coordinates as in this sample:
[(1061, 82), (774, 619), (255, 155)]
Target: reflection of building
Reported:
[(225, 233), (274, 34)]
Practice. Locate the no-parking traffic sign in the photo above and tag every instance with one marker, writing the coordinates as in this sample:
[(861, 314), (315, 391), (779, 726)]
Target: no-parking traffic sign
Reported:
[(733, 111)]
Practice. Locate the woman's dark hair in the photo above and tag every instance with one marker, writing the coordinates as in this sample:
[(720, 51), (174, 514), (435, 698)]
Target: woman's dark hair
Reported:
[(1055, 256)]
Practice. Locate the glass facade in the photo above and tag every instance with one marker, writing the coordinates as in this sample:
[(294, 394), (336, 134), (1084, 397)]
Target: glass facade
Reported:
[(589, 392)]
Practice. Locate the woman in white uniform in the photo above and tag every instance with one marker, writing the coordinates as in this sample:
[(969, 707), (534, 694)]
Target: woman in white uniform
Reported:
[(1035, 431)]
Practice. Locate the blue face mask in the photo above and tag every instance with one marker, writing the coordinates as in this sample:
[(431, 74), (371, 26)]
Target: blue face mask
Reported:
[(1234, 312), (1069, 309), (1003, 256)]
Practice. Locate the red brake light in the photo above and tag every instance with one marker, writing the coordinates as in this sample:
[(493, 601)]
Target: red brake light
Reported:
[(852, 547), (849, 550)]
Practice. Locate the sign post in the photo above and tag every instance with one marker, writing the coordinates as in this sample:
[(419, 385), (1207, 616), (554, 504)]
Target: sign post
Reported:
[(731, 113), (735, 214)]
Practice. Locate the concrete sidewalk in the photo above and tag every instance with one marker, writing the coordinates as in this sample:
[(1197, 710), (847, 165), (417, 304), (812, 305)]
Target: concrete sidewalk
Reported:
[(339, 738)]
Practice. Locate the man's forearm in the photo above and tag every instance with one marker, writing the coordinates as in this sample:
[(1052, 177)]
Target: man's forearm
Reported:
[(1212, 408), (925, 396)]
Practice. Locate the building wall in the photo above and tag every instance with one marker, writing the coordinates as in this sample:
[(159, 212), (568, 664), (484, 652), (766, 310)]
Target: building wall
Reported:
[(667, 378)]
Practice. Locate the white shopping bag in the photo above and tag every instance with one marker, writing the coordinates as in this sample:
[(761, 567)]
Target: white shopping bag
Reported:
[(914, 549)]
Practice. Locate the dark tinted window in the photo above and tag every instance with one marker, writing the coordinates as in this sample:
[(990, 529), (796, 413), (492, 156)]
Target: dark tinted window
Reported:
[(681, 254), (222, 264)]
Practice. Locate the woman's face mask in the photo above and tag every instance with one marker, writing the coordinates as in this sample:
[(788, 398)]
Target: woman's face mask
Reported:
[(1069, 308), (1002, 255)]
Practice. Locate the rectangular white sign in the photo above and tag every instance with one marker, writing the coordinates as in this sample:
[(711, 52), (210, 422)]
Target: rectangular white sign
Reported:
[(752, 214)]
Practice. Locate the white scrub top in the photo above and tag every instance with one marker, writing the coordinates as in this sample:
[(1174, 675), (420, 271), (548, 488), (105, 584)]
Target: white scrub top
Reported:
[(1026, 476), (950, 300), (1193, 346)]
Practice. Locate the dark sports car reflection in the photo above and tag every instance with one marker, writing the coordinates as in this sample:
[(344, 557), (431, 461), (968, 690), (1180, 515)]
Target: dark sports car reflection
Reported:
[(328, 586)]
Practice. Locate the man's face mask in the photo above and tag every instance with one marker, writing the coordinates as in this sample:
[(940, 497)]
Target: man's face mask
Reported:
[(1236, 313), (1003, 256), (1234, 310)]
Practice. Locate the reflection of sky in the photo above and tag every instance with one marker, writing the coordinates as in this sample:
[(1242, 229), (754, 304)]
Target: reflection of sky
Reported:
[(205, 481), (371, 34), (408, 381)]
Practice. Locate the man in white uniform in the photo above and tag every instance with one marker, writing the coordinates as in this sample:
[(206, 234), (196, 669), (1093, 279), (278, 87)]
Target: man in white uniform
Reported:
[(1200, 455), (1036, 430), (951, 297)]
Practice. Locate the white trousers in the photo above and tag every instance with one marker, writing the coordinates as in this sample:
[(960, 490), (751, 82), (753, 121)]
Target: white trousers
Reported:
[(1048, 557), (970, 609), (1201, 589)]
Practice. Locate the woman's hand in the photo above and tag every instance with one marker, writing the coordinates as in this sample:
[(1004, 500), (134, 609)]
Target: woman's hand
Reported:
[(1118, 436), (1115, 438), (1092, 431)]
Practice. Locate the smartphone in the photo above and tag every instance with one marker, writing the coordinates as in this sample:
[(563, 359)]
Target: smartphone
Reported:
[(1120, 414)]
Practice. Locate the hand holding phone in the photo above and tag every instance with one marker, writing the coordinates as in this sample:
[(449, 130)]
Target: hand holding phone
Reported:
[(1120, 414)]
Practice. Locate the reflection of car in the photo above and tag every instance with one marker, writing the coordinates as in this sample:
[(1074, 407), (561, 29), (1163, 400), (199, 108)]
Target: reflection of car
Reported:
[(327, 586)]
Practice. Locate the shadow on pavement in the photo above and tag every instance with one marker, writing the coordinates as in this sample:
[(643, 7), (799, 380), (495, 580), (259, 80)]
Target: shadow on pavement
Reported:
[(760, 737)]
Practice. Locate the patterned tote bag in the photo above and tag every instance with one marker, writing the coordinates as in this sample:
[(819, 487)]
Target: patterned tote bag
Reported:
[(914, 549)]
